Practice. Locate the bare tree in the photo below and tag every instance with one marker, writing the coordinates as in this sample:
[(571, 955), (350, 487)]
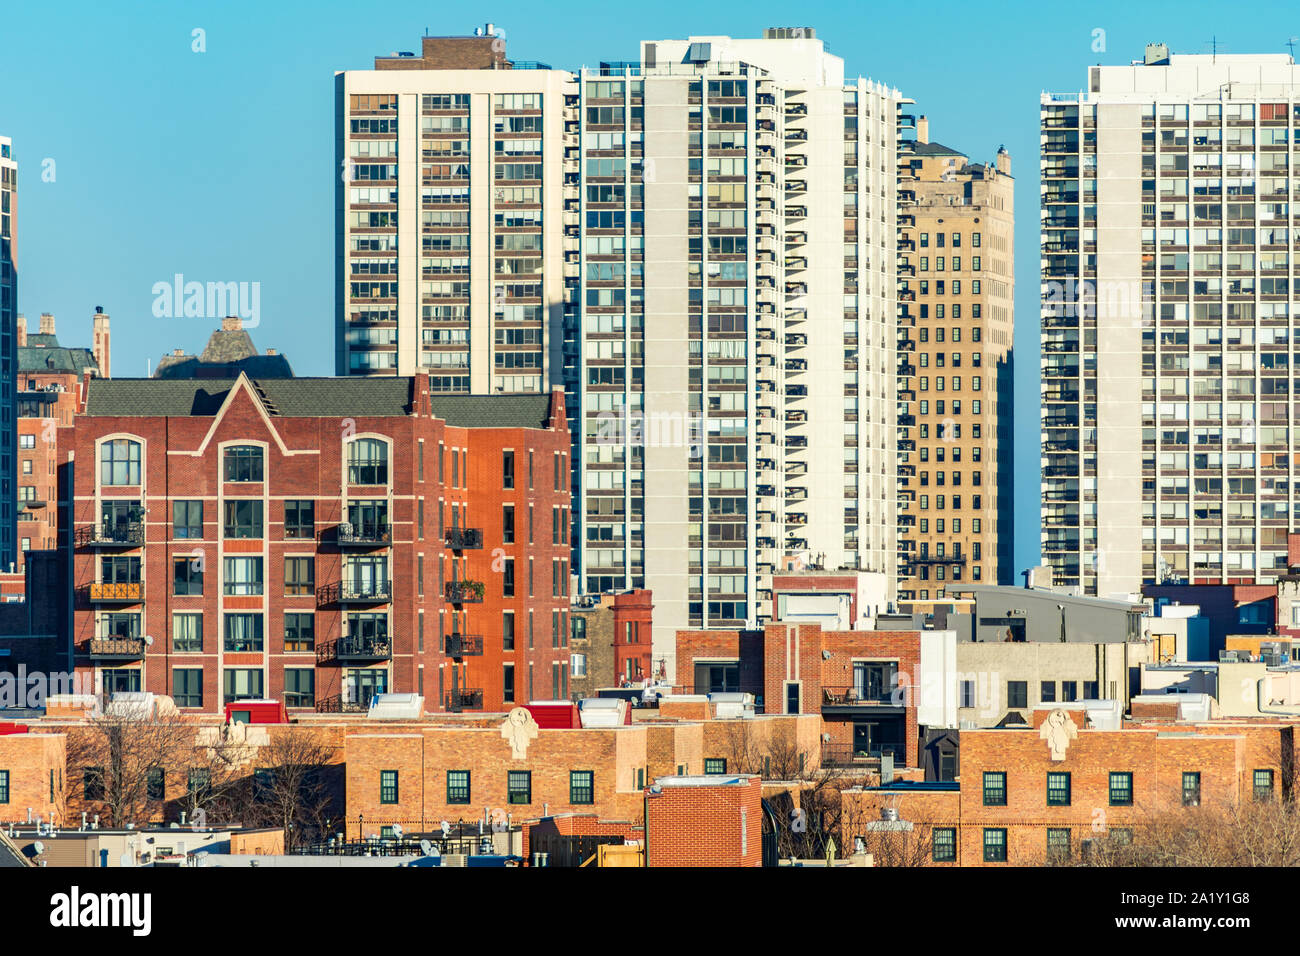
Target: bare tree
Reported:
[(292, 790)]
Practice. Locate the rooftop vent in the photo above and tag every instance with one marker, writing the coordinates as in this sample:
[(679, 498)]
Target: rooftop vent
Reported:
[(1157, 54)]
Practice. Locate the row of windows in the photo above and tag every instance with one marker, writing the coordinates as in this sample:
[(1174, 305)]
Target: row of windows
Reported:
[(519, 787), (119, 462), (1119, 788)]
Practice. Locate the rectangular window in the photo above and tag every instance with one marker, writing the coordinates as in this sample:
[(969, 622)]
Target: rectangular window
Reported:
[(187, 519), (388, 786), (1047, 692), (155, 784), (995, 845), (243, 684), (1058, 843), (244, 518), (944, 845), (1017, 693), (92, 783), (243, 633), (187, 686), (1192, 789), (299, 576), (187, 633), (300, 519), (1058, 789), (1263, 780), (299, 633), (714, 765), (242, 576), (458, 790), (507, 469), (508, 524), (508, 630), (582, 786), (508, 683), (508, 577), (968, 693), (995, 788), (1121, 789), (299, 687), (1069, 690), (519, 786), (199, 781), (187, 576)]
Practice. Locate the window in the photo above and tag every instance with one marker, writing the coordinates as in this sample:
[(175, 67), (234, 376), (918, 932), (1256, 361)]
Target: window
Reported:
[(995, 845), (243, 684), (1017, 693), (519, 786), (368, 462), (187, 633), (119, 462), (299, 687), (243, 633), (244, 518), (300, 519), (458, 786), (943, 845), (968, 693), (187, 576), (1069, 690), (508, 683), (508, 630), (92, 783), (1058, 789), (388, 786), (1047, 691), (1121, 789), (1263, 784), (199, 781), (582, 786), (508, 577), (299, 632), (1058, 843), (156, 784), (507, 469), (242, 576), (508, 524), (187, 519), (995, 788), (243, 463), (4, 786), (1192, 789), (714, 765), (299, 575)]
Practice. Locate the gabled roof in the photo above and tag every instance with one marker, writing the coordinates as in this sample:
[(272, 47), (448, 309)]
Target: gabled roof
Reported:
[(343, 397), (932, 149)]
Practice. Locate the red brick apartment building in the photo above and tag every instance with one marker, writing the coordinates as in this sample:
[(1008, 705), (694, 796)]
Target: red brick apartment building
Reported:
[(320, 540), (861, 682), (1017, 804)]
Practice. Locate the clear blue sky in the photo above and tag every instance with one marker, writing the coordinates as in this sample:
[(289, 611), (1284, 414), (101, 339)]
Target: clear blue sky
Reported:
[(220, 165)]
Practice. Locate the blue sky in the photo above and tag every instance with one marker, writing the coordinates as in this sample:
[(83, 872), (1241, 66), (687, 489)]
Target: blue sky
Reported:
[(219, 165)]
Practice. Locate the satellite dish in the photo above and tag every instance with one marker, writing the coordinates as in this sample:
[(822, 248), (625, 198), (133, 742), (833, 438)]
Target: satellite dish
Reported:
[(148, 639), (446, 828), (426, 848), (38, 847), (397, 830)]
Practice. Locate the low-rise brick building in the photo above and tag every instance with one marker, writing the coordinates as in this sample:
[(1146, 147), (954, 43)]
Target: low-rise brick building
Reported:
[(610, 641), (321, 540), (705, 821)]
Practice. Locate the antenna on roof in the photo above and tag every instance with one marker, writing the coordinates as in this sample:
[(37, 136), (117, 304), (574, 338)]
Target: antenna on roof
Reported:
[(1291, 46)]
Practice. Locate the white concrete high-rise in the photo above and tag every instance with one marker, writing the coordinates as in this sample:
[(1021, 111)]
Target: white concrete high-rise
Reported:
[(1169, 322)]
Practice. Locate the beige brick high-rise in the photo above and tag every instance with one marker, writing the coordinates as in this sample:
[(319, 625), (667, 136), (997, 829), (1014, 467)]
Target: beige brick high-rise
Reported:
[(956, 312)]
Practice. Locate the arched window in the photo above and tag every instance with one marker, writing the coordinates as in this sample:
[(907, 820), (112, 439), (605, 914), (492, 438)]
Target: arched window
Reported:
[(368, 462), (119, 462)]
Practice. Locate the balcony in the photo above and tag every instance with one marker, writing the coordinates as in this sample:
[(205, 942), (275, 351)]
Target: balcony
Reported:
[(356, 592), (465, 539), (116, 592), (116, 648), (355, 649), (375, 535), (464, 645), (111, 536), (341, 705), (464, 592), (465, 699), (861, 697)]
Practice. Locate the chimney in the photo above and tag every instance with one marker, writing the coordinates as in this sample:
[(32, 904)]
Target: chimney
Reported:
[(231, 323), (922, 130), (270, 352), (22, 331), (100, 342), (47, 323), (178, 352), (1004, 161)]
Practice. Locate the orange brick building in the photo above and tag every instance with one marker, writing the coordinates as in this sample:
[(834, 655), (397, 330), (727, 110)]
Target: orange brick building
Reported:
[(705, 821), (321, 541)]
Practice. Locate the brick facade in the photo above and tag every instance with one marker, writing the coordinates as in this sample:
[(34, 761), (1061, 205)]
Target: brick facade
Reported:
[(694, 821)]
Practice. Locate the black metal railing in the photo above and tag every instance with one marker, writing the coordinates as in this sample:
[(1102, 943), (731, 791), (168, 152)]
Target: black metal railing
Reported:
[(464, 699), (355, 648), (355, 592), (363, 535), (462, 539), (859, 696), (115, 592), (464, 645), (110, 536), (121, 648), (341, 705)]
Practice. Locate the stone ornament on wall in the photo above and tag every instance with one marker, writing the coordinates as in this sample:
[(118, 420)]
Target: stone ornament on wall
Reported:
[(1058, 730), (520, 730)]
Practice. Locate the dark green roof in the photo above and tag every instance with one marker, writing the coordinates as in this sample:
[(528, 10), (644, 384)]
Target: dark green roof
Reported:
[(933, 149), (54, 359), (311, 398)]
